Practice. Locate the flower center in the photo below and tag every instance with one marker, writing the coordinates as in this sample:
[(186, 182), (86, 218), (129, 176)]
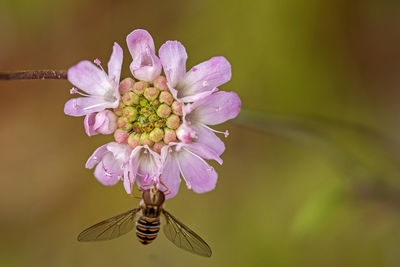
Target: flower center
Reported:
[(147, 114)]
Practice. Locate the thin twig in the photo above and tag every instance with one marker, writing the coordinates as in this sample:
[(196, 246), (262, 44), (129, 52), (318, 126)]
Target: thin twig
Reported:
[(34, 75)]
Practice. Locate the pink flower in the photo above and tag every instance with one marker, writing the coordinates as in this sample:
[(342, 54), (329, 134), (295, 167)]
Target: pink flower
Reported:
[(200, 81), (104, 122), (146, 65), (160, 124), (212, 110), (187, 158), (144, 167), (101, 88), (111, 160)]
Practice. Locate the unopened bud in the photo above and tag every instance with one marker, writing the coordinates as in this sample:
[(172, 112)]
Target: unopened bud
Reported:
[(156, 135), (151, 93), (169, 136), (137, 128), (134, 140), (161, 83), (130, 98), (160, 123), (155, 103), (177, 108), (153, 117), (158, 146), (139, 87), (145, 139), (125, 85), (166, 97), (124, 124), (120, 136), (142, 119), (146, 111), (163, 111), (130, 113), (147, 127), (143, 102), (173, 121)]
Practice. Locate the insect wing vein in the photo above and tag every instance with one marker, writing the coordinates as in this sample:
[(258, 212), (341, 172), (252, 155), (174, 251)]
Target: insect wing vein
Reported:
[(183, 237), (110, 228)]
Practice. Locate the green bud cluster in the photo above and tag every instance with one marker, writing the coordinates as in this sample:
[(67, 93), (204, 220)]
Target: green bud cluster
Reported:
[(147, 114)]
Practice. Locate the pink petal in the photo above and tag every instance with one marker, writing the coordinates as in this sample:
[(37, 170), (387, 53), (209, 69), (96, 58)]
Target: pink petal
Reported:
[(121, 152), (88, 123), (170, 175), (105, 171), (144, 161), (197, 97), (173, 59), (146, 66), (96, 157), (198, 175), (128, 185), (85, 105), (207, 138), (204, 151), (89, 78), (216, 108), (138, 41), (205, 77), (105, 122), (115, 63)]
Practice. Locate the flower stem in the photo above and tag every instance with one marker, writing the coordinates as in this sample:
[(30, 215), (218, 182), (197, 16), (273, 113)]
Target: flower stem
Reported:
[(34, 75)]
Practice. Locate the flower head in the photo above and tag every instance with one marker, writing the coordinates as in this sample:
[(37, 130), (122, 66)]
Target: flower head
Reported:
[(160, 123)]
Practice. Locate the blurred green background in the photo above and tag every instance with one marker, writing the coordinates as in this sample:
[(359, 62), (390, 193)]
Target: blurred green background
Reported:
[(311, 170)]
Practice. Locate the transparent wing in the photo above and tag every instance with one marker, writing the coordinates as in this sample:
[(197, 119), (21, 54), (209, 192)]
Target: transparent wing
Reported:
[(183, 237), (110, 228)]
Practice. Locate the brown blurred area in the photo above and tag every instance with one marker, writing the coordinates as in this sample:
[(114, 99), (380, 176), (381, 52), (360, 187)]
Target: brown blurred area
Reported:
[(282, 199)]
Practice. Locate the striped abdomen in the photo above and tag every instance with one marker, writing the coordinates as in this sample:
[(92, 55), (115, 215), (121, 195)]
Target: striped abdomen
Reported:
[(147, 229)]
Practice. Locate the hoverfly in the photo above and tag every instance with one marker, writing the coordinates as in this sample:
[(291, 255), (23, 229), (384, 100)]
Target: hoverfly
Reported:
[(148, 225)]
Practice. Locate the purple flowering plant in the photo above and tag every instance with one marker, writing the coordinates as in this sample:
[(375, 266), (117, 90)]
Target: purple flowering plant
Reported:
[(160, 123)]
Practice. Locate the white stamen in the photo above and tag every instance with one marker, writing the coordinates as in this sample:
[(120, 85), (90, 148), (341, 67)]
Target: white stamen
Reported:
[(93, 106), (188, 185), (98, 63), (226, 133)]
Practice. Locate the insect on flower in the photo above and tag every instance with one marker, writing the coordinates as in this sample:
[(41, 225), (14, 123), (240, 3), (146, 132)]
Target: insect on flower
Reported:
[(147, 220), (160, 125)]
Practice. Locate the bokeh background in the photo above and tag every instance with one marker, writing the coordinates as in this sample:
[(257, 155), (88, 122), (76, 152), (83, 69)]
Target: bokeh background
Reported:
[(311, 171)]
